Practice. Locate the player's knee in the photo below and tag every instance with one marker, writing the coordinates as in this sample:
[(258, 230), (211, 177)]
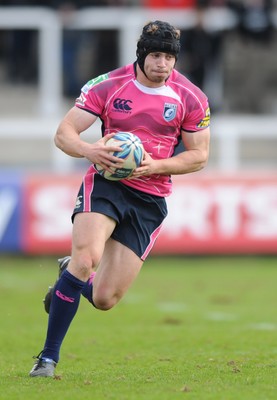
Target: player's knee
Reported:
[(103, 304), (105, 301), (82, 266)]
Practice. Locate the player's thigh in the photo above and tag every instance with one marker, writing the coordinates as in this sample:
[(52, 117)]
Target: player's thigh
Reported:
[(89, 235), (116, 272)]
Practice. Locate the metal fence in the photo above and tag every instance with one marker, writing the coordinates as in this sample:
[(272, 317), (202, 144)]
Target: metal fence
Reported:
[(228, 131)]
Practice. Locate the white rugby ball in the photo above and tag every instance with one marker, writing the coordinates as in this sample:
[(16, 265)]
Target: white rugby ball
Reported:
[(132, 153)]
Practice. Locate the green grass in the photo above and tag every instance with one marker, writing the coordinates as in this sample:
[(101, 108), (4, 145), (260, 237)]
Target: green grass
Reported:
[(189, 328)]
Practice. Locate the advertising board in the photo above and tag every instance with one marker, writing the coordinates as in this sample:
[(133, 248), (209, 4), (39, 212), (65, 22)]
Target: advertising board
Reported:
[(207, 214)]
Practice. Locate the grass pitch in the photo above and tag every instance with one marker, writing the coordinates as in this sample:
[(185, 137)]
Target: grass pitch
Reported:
[(189, 328)]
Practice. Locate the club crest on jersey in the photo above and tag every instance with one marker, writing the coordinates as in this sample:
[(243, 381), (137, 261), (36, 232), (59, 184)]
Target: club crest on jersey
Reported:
[(169, 111)]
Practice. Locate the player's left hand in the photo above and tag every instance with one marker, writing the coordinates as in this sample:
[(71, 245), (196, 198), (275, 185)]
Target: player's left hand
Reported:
[(146, 168)]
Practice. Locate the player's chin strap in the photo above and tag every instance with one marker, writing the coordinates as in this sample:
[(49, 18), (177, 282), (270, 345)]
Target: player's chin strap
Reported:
[(155, 46)]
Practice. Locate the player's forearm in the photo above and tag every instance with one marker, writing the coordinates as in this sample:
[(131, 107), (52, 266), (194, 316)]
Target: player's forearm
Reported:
[(67, 140), (183, 163)]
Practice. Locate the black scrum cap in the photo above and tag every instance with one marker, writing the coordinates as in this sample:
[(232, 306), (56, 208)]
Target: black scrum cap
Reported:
[(157, 36)]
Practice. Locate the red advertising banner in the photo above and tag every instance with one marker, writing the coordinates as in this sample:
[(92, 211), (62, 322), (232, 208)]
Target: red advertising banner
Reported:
[(211, 214), (208, 214), (170, 3), (48, 204)]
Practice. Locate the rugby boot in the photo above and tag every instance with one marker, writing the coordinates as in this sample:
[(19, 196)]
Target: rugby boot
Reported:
[(63, 263), (43, 367)]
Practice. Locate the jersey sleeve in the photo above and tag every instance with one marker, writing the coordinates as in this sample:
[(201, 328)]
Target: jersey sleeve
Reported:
[(92, 97), (197, 116)]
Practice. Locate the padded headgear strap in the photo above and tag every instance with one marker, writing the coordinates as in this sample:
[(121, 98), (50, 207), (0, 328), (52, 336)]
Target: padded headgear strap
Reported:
[(157, 36)]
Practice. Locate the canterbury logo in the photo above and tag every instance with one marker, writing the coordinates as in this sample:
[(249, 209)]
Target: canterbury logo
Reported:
[(122, 104), (65, 298)]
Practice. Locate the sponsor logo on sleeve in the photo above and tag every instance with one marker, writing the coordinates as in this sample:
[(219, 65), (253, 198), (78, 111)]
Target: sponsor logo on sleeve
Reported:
[(81, 100), (94, 82), (205, 122), (86, 88)]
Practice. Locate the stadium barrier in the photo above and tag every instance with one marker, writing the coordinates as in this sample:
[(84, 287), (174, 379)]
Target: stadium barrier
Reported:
[(127, 21), (208, 214), (227, 130)]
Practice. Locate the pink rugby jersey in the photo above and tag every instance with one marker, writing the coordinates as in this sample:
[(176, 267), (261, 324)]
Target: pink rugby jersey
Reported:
[(155, 115)]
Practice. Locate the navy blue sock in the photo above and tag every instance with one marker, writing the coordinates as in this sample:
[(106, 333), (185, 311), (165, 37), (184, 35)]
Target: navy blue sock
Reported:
[(88, 289), (64, 305)]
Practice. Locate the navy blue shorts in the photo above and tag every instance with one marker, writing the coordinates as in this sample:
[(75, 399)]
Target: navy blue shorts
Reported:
[(139, 215)]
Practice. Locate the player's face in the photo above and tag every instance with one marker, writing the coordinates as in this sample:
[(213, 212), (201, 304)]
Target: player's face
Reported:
[(158, 67)]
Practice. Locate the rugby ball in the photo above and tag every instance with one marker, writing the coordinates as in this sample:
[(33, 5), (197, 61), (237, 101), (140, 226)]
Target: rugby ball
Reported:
[(132, 153)]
